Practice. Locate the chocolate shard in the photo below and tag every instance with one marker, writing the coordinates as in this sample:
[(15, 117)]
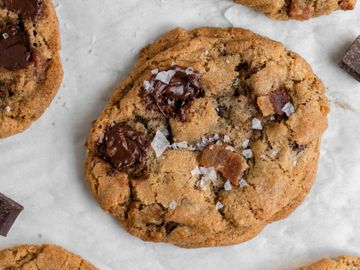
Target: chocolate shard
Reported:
[(9, 211), (351, 61)]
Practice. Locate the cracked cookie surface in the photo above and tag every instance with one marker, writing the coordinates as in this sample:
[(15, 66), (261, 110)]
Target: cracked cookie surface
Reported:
[(341, 263), (45, 257), (212, 136), (298, 9), (30, 66)]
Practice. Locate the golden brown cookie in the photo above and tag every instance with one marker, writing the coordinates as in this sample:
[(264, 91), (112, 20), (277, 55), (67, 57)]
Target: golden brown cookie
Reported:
[(214, 134), (30, 66), (341, 263), (297, 9), (45, 257)]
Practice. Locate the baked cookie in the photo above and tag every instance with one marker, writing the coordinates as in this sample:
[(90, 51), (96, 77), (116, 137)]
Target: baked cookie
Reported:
[(213, 135), (298, 9), (341, 263), (30, 66), (45, 257)]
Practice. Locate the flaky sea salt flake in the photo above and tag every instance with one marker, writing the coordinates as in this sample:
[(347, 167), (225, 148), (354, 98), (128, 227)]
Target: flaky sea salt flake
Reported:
[(173, 205), (227, 139), (155, 71), (219, 206), (288, 109), (189, 71), (246, 143), (247, 153), (256, 124), (227, 186), (8, 109), (196, 171), (160, 143), (165, 76), (230, 148), (243, 183), (5, 35), (148, 87)]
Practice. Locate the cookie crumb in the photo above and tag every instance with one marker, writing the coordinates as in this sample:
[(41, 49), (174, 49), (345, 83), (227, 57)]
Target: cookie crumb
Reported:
[(219, 206), (247, 153), (288, 109), (227, 185), (256, 124), (160, 143)]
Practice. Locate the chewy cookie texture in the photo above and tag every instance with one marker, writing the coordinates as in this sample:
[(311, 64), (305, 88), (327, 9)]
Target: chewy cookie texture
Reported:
[(45, 257), (341, 263), (213, 135), (30, 67), (298, 9)]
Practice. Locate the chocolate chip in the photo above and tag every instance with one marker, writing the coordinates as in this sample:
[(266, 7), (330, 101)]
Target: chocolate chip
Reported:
[(15, 50), (9, 211), (351, 61), (123, 146), (170, 227), (297, 148), (28, 9), (171, 92), (278, 99)]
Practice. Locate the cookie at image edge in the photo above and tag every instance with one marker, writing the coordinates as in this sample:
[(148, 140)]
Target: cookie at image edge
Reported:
[(30, 65), (213, 135), (297, 9), (44, 257), (340, 263)]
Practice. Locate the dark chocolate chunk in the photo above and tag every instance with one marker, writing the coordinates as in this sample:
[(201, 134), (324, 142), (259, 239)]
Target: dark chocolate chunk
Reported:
[(9, 211), (279, 99), (15, 50), (351, 61), (170, 227), (123, 146), (170, 92), (28, 9)]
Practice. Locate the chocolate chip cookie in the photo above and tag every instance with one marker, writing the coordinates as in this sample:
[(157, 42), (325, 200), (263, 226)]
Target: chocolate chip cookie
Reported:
[(45, 257), (30, 66), (297, 9), (341, 263), (214, 134)]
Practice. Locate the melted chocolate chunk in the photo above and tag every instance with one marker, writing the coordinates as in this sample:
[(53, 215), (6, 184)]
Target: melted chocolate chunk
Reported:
[(28, 9), (170, 227), (9, 211), (351, 61), (171, 92), (123, 146), (15, 50), (279, 99)]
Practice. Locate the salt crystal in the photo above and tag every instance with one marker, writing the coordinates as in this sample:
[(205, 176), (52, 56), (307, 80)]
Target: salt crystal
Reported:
[(5, 35), (246, 143), (219, 206), (165, 76), (227, 139), (230, 148), (173, 205), (196, 171), (189, 71), (202, 184), (155, 71), (160, 143), (288, 109), (148, 87), (219, 143), (227, 186), (243, 183), (208, 173), (180, 145), (206, 53), (247, 153), (8, 109), (272, 118), (256, 124)]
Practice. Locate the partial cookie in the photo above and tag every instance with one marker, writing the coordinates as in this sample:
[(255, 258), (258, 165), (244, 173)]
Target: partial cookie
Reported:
[(341, 263), (213, 135), (30, 66), (297, 9), (45, 257)]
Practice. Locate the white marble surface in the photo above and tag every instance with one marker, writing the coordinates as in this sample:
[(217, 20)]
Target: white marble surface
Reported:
[(42, 168)]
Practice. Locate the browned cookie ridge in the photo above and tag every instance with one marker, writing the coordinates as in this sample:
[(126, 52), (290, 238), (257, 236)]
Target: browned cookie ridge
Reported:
[(30, 67), (298, 9), (212, 136), (44, 257), (341, 263)]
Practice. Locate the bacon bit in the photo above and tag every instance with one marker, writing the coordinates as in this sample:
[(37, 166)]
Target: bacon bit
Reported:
[(230, 164)]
